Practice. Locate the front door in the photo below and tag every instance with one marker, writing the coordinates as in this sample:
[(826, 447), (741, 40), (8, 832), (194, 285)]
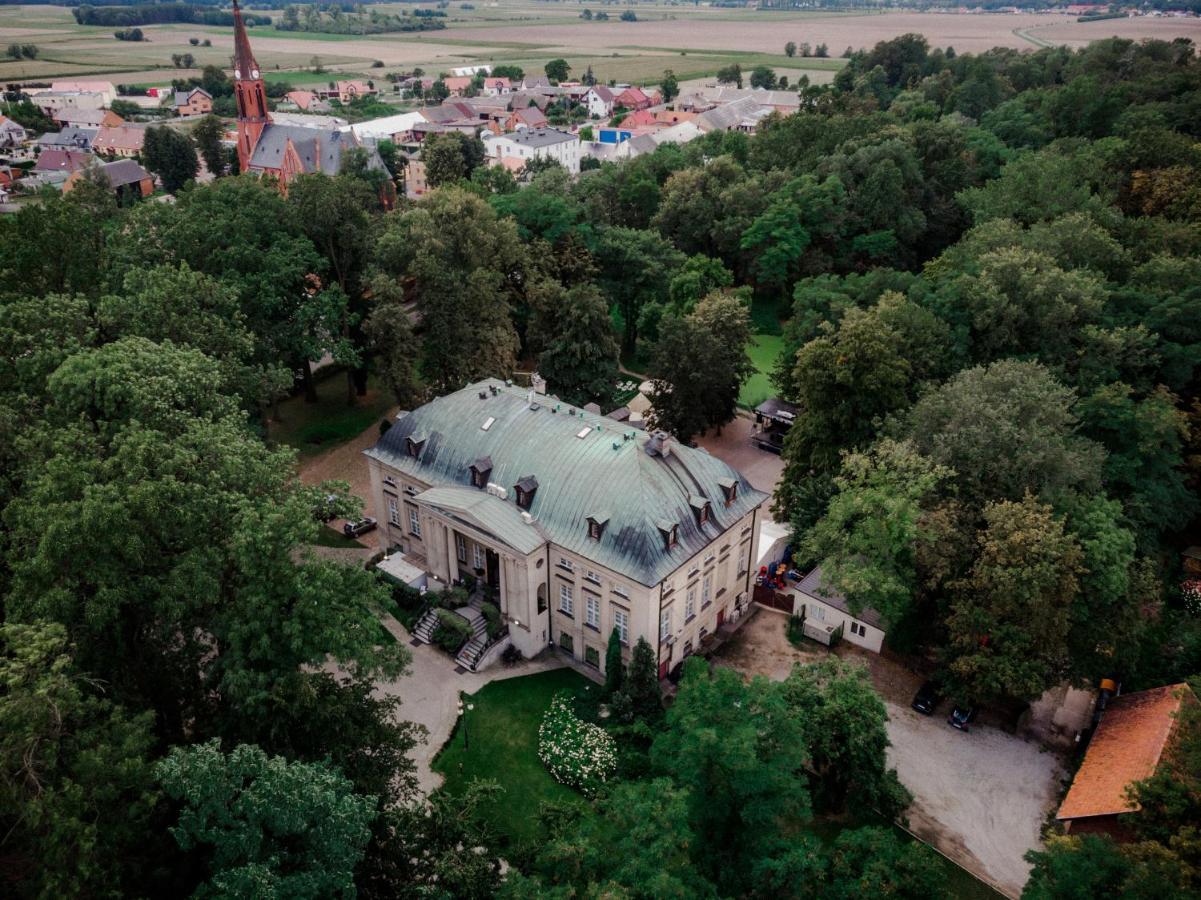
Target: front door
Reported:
[(492, 568), (721, 617)]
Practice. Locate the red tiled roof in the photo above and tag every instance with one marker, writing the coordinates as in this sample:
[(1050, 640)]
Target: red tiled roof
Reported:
[(1127, 746)]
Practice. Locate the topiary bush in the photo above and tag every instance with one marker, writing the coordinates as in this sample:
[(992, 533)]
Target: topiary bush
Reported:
[(492, 619), (578, 754), (452, 631)]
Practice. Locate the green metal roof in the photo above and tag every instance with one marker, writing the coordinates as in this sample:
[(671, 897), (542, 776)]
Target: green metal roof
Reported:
[(607, 472), (490, 513)]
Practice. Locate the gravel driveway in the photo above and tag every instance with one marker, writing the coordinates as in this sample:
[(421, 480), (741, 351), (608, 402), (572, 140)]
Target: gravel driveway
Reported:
[(979, 797)]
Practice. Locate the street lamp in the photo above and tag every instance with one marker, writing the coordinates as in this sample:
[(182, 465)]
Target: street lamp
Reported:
[(466, 736)]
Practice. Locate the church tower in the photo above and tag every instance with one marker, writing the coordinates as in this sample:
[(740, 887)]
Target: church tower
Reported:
[(250, 93)]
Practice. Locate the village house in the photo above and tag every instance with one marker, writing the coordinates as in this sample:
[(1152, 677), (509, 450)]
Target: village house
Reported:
[(529, 117), (281, 151), (196, 102), (634, 98), (349, 91), (458, 86), (827, 613), (580, 526), (120, 140), (1130, 741), (307, 101), (496, 87), (55, 103), (12, 134), (68, 138), (88, 118), (127, 179), (57, 159), (106, 89), (515, 149)]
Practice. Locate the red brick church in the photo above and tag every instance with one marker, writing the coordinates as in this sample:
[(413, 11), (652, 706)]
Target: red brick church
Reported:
[(271, 148)]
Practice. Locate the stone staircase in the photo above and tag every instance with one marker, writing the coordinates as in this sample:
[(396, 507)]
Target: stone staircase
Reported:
[(424, 631), (471, 652)]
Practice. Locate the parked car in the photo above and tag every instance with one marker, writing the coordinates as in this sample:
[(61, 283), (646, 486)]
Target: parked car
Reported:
[(359, 528), (961, 717), (927, 698)]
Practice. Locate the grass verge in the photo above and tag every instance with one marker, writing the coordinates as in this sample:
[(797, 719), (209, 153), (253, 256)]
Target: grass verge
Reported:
[(314, 427), (764, 351)]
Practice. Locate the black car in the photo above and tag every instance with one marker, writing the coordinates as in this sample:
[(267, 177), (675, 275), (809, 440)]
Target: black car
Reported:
[(361, 527), (961, 717), (927, 698)]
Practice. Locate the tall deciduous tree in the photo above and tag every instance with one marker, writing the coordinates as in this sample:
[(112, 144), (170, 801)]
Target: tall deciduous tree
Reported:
[(1010, 616), (468, 269), (580, 362), (265, 825), (208, 134), (169, 154)]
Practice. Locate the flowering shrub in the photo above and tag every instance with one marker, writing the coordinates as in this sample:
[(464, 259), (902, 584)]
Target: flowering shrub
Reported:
[(1191, 591), (576, 753)]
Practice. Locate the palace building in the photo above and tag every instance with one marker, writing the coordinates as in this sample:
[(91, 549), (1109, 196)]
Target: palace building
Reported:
[(579, 525), (282, 151)]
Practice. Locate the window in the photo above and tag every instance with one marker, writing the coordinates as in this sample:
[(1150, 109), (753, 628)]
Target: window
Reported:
[(817, 613), (665, 624), (671, 534), (565, 563), (414, 522), (706, 591), (690, 604), (589, 575), (743, 555), (525, 489), (461, 548), (393, 511), (709, 557), (413, 445), (477, 554), (621, 621), (592, 657), (388, 479), (729, 488), (596, 526), (566, 600), (693, 571), (620, 591), (567, 643), (858, 629), (592, 612)]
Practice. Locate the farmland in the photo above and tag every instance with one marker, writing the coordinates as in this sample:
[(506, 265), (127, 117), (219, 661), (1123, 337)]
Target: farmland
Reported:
[(692, 41)]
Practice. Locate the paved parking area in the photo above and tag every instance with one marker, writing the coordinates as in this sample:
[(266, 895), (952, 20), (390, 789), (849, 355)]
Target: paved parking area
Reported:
[(979, 797), (762, 468)]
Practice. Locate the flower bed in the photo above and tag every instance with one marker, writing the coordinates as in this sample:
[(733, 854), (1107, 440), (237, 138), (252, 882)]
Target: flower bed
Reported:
[(576, 753)]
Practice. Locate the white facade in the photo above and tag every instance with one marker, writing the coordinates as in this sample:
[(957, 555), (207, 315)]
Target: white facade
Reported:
[(52, 102), (597, 105), (515, 149), (825, 614)]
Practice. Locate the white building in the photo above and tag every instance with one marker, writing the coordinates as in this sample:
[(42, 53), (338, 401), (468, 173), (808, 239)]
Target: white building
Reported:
[(599, 101), (104, 88), (53, 102), (516, 149), (826, 611), (578, 526)]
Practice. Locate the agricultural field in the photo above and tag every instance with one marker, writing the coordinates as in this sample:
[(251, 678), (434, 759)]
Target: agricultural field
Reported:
[(692, 41)]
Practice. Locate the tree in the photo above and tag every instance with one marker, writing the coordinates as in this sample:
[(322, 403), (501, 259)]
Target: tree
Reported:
[(636, 267), (699, 366), (1010, 615), (1005, 430), (557, 70), (629, 16), (208, 134), (171, 156), (763, 77), (739, 752), (731, 74), (868, 540), (451, 157), (580, 362), (468, 271), (613, 663), (395, 350), (669, 87), (790, 49), (641, 683), (844, 723), (266, 825), (1077, 868), (78, 796), (873, 862)]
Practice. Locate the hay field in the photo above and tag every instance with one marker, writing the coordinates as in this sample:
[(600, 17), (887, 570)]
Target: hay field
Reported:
[(692, 41)]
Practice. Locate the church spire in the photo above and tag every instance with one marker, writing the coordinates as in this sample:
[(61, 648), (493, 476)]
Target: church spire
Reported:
[(245, 65), (250, 93)]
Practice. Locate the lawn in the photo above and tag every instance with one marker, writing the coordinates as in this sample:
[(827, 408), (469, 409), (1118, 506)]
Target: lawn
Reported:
[(327, 537), (764, 350), (314, 427), (503, 734)]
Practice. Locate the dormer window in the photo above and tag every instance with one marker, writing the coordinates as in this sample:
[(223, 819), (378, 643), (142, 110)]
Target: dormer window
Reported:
[(700, 508), (729, 489), (480, 470), (414, 443), (671, 534), (596, 526), (524, 489)]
